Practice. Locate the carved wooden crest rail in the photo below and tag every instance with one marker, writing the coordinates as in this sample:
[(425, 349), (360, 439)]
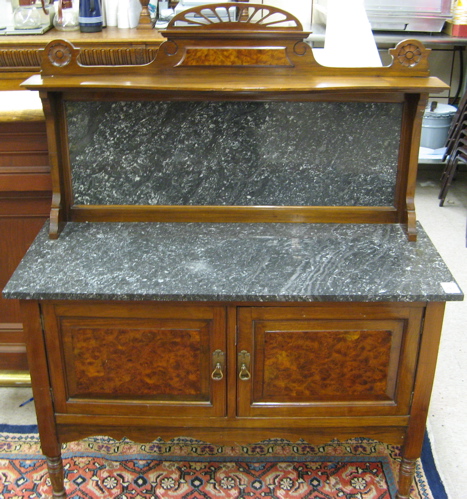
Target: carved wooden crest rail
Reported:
[(238, 34)]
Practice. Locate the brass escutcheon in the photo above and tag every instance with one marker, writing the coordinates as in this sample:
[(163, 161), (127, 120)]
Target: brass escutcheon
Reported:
[(218, 357)]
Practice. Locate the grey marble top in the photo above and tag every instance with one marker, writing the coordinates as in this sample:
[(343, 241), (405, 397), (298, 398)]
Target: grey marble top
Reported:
[(233, 262)]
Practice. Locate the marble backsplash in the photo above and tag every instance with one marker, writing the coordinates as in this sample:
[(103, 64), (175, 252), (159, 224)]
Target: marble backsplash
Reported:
[(234, 153)]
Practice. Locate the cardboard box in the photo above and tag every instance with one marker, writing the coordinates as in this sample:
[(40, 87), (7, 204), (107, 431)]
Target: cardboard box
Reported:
[(459, 30)]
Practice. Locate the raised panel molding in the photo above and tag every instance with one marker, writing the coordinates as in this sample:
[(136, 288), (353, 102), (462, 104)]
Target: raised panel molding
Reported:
[(29, 59), (25, 59)]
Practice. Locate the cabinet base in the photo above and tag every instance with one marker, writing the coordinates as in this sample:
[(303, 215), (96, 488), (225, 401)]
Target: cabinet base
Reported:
[(233, 436), (315, 437)]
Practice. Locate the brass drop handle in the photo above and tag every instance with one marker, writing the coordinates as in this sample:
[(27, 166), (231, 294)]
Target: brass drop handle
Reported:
[(244, 373), (218, 363), (244, 365), (217, 374)]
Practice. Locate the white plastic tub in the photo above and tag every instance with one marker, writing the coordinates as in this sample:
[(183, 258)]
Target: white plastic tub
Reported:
[(435, 126)]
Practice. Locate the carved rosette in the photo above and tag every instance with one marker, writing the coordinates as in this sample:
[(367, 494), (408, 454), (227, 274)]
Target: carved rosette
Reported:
[(59, 54), (409, 55)]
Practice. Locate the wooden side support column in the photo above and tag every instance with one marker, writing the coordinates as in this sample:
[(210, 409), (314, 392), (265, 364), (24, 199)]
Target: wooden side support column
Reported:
[(428, 355), (42, 392)]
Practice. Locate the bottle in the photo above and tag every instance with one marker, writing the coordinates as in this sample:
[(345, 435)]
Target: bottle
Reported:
[(90, 16), (66, 19), (27, 15)]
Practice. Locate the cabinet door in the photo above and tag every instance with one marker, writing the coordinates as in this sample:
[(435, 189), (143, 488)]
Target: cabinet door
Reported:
[(136, 359), (339, 360)]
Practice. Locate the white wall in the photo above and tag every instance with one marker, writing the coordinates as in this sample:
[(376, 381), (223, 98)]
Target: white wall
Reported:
[(299, 8)]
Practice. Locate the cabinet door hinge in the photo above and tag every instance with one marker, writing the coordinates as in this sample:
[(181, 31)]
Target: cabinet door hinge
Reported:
[(236, 334), (52, 395), (411, 399)]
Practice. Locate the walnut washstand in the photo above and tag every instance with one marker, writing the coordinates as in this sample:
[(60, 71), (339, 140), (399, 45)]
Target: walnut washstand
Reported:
[(233, 252)]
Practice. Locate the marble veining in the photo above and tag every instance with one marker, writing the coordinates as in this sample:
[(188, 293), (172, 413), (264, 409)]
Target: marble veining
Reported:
[(234, 153), (233, 262)]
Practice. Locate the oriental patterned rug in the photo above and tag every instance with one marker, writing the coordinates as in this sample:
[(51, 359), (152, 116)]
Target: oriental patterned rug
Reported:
[(183, 468)]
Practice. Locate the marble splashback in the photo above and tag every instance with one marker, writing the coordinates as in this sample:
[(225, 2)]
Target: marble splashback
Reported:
[(234, 153)]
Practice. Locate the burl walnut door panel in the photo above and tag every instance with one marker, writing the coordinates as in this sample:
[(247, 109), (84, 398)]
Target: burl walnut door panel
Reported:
[(137, 359), (305, 362)]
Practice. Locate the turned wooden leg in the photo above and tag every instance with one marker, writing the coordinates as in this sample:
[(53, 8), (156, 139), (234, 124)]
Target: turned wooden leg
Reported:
[(55, 468), (406, 476)]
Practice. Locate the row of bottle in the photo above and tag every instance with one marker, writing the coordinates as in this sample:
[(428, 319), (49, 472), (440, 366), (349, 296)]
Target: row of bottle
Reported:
[(92, 15)]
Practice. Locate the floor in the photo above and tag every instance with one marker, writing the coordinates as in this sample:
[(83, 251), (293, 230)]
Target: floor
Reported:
[(447, 422)]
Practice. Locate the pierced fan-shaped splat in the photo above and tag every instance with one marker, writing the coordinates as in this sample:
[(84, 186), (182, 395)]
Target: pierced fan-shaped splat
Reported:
[(239, 16)]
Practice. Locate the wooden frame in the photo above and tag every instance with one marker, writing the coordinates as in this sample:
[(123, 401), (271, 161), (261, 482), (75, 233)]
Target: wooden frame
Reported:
[(251, 57)]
